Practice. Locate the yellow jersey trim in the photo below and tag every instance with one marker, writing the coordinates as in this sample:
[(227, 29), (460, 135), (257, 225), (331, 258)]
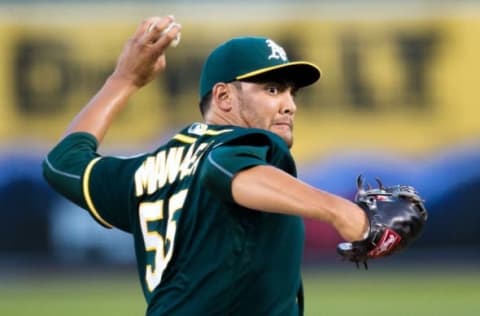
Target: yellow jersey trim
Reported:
[(88, 198), (212, 132), (184, 138), (190, 140)]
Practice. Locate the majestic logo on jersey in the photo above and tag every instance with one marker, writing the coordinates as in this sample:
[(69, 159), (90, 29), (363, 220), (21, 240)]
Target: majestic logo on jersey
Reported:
[(167, 166), (198, 129), (277, 51)]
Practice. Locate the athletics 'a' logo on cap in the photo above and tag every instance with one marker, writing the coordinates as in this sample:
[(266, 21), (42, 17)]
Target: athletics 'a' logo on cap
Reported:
[(277, 51)]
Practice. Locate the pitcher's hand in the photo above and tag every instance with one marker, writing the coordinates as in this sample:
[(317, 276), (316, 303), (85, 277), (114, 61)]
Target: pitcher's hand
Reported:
[(143, 56)]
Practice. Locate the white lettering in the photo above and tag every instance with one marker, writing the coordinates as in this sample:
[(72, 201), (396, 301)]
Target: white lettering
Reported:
[(169, 165)]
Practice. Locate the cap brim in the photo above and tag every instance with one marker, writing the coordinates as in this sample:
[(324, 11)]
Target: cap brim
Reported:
[(302, 73)]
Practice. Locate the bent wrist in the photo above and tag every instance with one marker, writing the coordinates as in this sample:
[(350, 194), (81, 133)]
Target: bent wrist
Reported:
[(121, 84), (352, 223)]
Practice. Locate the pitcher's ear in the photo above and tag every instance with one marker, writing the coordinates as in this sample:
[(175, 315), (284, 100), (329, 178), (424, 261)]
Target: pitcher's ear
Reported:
[(221, 96)]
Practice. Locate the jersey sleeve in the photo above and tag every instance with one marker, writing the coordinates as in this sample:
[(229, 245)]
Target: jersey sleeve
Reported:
[(108, 190), (237, 154), (94, 182), (64, 165)]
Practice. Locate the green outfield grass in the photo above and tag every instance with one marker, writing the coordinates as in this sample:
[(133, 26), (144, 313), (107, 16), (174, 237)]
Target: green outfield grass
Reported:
[(394, 293), (342, 291)]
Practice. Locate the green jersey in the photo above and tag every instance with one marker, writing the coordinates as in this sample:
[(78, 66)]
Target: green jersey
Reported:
[(198, 252)]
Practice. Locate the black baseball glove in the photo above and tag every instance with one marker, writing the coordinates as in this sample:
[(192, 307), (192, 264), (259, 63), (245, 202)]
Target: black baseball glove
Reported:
[(396, 215)]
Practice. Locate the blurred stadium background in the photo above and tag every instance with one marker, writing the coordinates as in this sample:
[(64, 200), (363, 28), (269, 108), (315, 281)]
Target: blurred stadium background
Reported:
[(398, 100)]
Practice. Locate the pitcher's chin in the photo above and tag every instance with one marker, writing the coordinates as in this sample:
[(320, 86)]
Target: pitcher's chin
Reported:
[(285, 134)]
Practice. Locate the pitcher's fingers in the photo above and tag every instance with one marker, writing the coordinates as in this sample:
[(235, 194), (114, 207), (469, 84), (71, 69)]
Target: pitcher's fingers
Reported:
[(155, 30), (176, 39), (142, 28), (171, 37)]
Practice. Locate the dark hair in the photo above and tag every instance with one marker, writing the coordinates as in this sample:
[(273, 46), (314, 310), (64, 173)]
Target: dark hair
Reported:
[(205, 103)]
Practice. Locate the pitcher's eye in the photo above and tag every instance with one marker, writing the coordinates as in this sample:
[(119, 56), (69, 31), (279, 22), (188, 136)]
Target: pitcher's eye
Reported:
[(273, 90)]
